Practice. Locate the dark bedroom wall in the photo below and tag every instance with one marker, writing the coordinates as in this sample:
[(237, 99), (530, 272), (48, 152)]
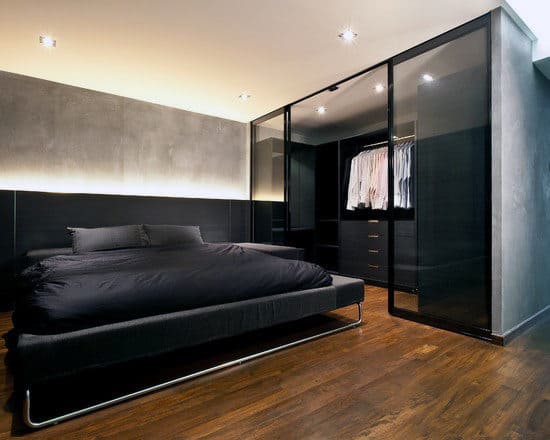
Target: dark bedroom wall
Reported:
[(55, 137), (521, 179)]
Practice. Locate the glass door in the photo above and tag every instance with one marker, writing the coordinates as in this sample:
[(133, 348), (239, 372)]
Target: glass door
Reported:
[(327, 132), (440, 212), (268, 179)]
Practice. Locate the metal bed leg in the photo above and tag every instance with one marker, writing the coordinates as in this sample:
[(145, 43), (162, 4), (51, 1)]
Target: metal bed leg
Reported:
[(27, 403)]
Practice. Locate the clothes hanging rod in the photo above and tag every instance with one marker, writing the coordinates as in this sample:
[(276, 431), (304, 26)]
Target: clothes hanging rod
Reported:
[(394, 139)]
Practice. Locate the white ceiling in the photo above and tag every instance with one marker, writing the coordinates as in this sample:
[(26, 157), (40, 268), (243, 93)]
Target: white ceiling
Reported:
[(199, 55)]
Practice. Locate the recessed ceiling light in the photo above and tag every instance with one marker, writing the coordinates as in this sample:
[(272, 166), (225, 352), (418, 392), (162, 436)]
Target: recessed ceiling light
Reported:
[(379, 88), (321, 110), (427, 77), (47, 41), (348, 35), (245, 96)]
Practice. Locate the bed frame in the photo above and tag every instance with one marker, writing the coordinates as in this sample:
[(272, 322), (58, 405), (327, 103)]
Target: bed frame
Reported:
[(40, 358), (52, 421)]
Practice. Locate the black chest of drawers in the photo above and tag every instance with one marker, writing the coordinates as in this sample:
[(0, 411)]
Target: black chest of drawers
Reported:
[(364, 251)]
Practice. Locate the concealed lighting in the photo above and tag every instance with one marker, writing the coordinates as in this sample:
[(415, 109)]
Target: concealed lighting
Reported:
[(47, 41), (379, 88), (348, 35), (245, 96), (427, 77), (321, 110)]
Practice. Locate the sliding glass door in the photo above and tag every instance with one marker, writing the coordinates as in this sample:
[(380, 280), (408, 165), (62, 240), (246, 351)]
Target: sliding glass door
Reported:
[(441, 219)]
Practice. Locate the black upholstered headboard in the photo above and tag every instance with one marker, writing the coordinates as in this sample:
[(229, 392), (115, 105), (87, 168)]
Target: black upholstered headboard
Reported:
[(34, 220)]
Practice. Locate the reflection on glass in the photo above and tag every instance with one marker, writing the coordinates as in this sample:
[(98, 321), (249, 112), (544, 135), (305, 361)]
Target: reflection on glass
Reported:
[(441, 253)]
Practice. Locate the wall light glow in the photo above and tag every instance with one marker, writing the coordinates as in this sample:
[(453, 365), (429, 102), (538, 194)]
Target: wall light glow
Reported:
[(131, 187)]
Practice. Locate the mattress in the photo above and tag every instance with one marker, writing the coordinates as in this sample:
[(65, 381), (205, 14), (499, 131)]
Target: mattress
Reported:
[(72, 292)]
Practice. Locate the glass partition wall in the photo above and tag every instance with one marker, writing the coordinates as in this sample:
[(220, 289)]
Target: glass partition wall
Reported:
[(386, 177), (268, 179)]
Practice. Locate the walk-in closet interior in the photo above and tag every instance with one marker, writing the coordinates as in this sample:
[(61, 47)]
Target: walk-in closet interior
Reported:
[(386, 176)]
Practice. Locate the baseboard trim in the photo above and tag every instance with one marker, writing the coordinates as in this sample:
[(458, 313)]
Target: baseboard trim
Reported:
[(523, 326)]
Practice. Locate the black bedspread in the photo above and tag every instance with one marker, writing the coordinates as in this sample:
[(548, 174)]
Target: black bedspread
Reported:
[(71, 292)]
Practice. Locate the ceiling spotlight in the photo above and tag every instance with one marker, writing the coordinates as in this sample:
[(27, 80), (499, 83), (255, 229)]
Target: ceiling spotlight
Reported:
[(321, 110), (427, 77), (348, 35), (379, 88), (245, 96), (47, 41)]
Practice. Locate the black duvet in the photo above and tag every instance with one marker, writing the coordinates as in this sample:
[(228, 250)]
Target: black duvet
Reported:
[(71, 292)]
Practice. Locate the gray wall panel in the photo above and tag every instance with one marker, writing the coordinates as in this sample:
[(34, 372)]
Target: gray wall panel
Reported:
[(55, 137), (521, 178)]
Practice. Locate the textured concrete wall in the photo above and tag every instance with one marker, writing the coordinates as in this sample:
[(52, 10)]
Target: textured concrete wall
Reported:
[(59, 138), (521, 179)]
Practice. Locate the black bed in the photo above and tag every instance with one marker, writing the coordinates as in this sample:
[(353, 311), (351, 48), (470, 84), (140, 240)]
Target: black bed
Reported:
[(82, 311)]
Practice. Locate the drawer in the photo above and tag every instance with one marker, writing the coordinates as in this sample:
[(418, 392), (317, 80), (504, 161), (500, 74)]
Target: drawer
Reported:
[(376, 272), (379, 227), (377, 255)]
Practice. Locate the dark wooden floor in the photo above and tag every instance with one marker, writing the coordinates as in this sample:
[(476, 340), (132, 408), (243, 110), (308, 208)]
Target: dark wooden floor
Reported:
[(388, 379)]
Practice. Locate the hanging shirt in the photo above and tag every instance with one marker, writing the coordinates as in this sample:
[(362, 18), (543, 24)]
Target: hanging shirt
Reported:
[(368, 178), (353, 186)]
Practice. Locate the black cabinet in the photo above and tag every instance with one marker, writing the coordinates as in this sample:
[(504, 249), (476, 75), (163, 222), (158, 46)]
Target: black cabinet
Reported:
[(364, 249)]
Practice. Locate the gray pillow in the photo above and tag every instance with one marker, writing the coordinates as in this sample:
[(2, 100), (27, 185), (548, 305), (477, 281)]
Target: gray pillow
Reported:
[(114, 237), (172, 235)]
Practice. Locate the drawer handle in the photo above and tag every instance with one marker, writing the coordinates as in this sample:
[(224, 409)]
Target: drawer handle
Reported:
[(374, 236), (374, 221), (374, 251), (374, 266)]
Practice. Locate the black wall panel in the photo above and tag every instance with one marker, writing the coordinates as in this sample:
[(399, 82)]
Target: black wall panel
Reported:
[(6, 243), (239, 220), (41, 219)]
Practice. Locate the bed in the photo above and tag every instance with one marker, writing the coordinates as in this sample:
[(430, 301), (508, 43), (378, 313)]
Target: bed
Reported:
[(81, 311)]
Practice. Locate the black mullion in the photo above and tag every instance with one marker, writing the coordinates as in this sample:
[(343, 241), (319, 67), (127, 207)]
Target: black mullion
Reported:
[(391, 210)]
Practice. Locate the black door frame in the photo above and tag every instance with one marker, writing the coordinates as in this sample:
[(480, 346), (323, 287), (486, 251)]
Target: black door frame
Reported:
[(483, 22)]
